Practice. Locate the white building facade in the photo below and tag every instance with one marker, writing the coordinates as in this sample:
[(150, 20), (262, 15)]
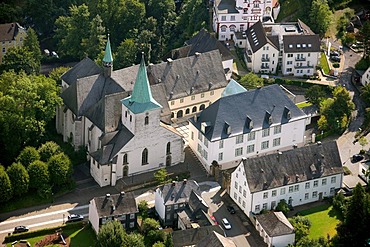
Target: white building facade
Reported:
[(365, 78)]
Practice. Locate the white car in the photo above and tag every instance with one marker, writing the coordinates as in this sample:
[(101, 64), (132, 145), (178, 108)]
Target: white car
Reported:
[(226, 224)]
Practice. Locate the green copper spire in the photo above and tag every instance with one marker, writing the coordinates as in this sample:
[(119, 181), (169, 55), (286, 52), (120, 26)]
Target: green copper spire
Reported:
[(141, 98), (108, 59)]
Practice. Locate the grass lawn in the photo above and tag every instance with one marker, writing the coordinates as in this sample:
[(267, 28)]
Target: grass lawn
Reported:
[(324, 63), (303, 104), (323, 218)]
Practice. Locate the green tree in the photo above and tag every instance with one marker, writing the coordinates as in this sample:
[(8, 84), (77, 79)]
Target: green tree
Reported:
[(10, 12), (251, 81), (28, 155), (6, 190), (39, 174), (19, 178), (315, 94), (283, 207), (354, 230), (20, 58), (27, 104), (365, 38), (149, 224), (143, 209), (161, 175), (56, 74), (48, 149), (60, 169), (365, 94), (168, 242), (31, 43), (153, 236), (320, 16), (135, 240), (158, 244), (126, 54), (94, 43), (301, 227), (363, 142), (111, 234)]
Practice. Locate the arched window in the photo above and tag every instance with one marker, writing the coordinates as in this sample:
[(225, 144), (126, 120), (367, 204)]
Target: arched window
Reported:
[(179, 114), (124, 159), (232, 28), (223, 28), (172, 115), (144, 157), (187, 111), (194, 109), (146, 120), (168, 148), (202, 107)]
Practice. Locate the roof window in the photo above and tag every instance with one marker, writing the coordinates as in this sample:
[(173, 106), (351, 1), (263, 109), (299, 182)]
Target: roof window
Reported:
[(290, 46), (298, 45)]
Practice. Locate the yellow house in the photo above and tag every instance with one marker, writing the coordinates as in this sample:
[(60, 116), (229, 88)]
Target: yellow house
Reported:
[(11, 35)]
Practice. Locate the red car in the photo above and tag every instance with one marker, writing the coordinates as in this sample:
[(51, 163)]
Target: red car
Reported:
[(214, 219)]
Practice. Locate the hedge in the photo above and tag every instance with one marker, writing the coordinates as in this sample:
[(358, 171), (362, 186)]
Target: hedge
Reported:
[(304, 84)]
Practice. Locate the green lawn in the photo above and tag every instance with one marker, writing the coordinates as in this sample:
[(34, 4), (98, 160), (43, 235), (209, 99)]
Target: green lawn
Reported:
[(324, 63), (303, 104), (323, 218)]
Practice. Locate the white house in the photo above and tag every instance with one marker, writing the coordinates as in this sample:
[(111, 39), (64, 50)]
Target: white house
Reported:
[(275, 229), (293, 46), (365, 78), (230, 16), (174, 197), (246, 124), (298, 176), (121, 207)]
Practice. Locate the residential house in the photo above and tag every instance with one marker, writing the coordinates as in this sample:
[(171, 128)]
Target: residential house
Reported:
[(275, 229), (215, 239), (293, 46), (121, 207), (174, 197), (365, 78), (230, 16), (194, 236), (363, 171), (298, 176), (11, 35), (203, 42), (247, 124)]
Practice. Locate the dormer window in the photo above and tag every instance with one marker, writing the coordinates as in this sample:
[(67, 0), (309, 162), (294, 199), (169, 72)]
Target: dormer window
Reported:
[(146, 122), (204, 126), (268, 117), (249, 123), (227, 128), (287, 113)]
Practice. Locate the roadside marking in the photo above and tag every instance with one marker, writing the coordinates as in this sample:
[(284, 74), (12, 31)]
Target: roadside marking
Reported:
[(43, 215), (39, 224)]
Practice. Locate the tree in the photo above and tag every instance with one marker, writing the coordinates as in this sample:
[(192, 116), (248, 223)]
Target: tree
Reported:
[(27, 156), (365, 94), (315, 94), (48, 149), (19, 178), (353, 231), (94, 43), (6, 190), (31, 43), (301, 227), (149, 224), (143, 209), (365, 38), (320, 16), (153, 236), (39, 174), (60, 169), (56, 74), (161, 175), (20, 58), (158, 244), (111, 234), (135, 240), (126, 54), (283, 207), (251, 81), (27, 104), (168, 242), (363, 142)]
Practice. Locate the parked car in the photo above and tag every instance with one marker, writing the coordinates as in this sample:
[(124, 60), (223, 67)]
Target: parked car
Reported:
[(334, 54), (74, 218), (231, 209), (357, 157), (335, 58), (214, 219), (19, 229), (226, 224)]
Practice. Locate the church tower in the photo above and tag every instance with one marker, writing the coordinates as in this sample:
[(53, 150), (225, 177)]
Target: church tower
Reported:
[(140, 111), (108, 60)]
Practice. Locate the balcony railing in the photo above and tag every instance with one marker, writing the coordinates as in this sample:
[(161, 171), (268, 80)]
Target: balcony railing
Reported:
[(265, 59), (265, 66), (300, 58), (303, 66)]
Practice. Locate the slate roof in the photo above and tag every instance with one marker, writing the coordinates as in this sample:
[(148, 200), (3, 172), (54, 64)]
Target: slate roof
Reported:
[(235, 110), (190, 75), (301, 43), (8, 31), (275, 224), (84, 68), (292, 166), (233, 88), (124, 203), (226, 6), (178, 192), (305, 29), (215, 239), (193, 236), (257, 37)]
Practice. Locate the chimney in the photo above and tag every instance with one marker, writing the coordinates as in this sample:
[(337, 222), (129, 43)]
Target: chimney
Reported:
[(195, 118), (107, 195), (169, 61), (173, 183), (184, 181), (122, 193), (197, 54)]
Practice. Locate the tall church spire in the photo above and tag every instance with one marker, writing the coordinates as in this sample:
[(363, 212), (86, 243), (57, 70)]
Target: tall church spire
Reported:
[(141, 98), (108, 59)]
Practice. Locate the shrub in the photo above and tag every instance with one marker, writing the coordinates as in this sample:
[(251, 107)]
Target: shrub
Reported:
[(336, 65)]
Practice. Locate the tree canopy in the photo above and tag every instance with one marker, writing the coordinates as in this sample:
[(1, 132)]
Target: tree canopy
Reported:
[(19, 178), (28, 155), (111, 234), (60, 169), (251, 81), (20, 59), (6, 190), (39, 174), (320, 16)]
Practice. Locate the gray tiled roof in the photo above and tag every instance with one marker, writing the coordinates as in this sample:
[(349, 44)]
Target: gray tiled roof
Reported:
[(257, 37), (254, 104), (8, 31), (190, 75), (178, 192), (275, 224), (123, 203), (84, 68), (289, 167), (215, 239), (193, 236), (226, 6), (311, 42)]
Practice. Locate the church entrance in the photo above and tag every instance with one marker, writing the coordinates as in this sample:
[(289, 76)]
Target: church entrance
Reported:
[(168, 160), (125, 170)]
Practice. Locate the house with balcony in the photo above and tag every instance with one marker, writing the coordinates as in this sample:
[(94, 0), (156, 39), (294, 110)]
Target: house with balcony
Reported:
[(230, 16), (298, 176), (246, 124), (120, 207), (292, 47), (11, 35)]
